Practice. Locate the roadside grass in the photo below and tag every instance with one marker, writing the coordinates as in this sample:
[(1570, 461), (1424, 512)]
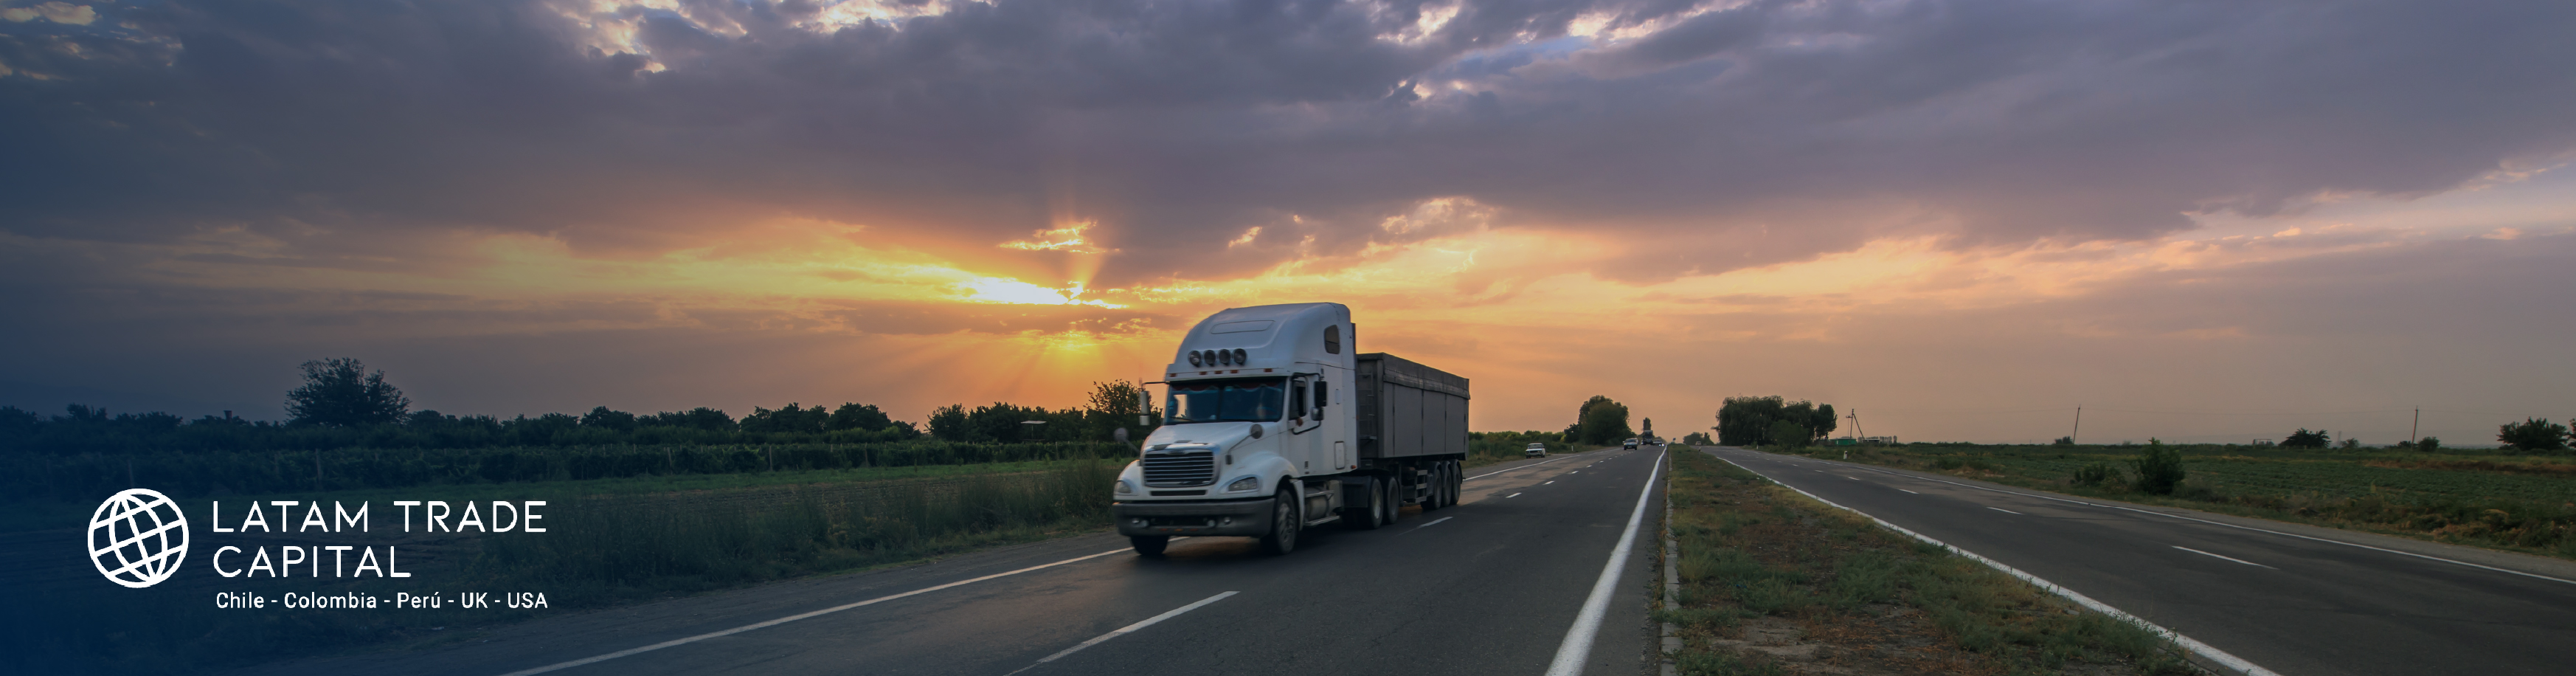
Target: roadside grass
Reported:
[(1776, 583), (2521, 503), (603, 548), (43, 514)]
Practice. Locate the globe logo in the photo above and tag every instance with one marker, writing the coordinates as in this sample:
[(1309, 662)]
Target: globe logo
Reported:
[(138, 538)]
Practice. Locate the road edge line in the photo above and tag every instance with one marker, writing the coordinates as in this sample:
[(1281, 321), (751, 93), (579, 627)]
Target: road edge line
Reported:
[(1672, 635), (2203, 650), (1123, 631), (1577, 647)]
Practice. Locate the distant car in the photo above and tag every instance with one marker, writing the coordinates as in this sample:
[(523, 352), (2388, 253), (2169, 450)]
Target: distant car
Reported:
[(1632, 443), (1536, 450)]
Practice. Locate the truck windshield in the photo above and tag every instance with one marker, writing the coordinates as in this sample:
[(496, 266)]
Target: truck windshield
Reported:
[(1244, 400)]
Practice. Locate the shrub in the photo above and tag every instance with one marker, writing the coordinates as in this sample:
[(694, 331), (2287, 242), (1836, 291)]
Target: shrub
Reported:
[(2097, 474), (2533, 434), (2159, 468), (2429, 444), (2306, 439)]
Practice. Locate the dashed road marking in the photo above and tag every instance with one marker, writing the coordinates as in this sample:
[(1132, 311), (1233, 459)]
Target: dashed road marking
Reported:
[(2221, 556)]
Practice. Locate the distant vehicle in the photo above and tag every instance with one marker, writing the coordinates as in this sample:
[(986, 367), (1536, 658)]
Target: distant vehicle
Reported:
[(1658, 442), (1275, 422), (1632, 443), (1536, 450)]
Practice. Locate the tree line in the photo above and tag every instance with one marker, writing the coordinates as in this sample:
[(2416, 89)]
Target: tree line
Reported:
[(1773, 420), (342, 405)]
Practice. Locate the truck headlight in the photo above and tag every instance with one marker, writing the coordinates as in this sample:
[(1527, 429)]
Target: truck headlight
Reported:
[(1125, 488), (1250, 483)]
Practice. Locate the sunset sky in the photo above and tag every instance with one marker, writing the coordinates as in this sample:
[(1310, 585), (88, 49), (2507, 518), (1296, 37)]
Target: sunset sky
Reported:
[(2201, 221)]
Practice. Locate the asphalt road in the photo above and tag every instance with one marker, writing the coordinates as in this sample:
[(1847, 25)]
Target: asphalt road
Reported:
[(1487, 587), (2293, 605)]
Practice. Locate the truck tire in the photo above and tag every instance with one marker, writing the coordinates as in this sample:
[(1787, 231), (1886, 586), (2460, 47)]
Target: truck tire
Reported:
[(1394, 507), (1286, 519), (1370, 514), (1150, 545), (1457, 480)]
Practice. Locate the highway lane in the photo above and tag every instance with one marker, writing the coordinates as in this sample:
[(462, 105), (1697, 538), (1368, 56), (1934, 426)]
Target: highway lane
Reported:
[(1489, 586), (2289, 604)]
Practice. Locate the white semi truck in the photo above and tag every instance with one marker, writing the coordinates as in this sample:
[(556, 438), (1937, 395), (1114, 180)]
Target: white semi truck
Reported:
[(1274, 423)]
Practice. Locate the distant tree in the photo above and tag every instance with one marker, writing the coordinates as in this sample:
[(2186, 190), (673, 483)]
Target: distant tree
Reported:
[(2352, 443), (2533, 434), (1789, 434), (2159, 468), (2429, 444), (855, 416), (2065, 441), (2306, 439), (793, 418), (1746, 421), (1697, 439), (700, 418), (948, 423), (601, 418), (1116, 404), (341, 393), (1603, 421), (540, 430)]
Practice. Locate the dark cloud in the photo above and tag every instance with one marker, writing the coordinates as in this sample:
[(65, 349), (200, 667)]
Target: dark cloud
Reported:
[(1177, 124)]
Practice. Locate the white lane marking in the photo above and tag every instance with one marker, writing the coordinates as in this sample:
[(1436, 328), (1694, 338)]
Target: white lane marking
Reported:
[(2006, 511), (1499, 471), (1434, 522), (2222, 556), (1909, 491), (1514, 495), (1547, 483), (2203, 649), (792, 618), (2427, 557), (1854, 478), (1577, 647), (1122, 631)]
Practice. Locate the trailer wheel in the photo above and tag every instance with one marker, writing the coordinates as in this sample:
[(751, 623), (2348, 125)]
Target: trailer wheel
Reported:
[(1150, 545), (1457, 480), (1285, 520)]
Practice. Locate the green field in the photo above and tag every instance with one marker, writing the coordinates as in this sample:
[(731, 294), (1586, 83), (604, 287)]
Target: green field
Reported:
[(2482, 498)]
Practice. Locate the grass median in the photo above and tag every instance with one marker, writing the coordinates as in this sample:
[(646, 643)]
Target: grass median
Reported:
[(2475, 497), (1774, 582)]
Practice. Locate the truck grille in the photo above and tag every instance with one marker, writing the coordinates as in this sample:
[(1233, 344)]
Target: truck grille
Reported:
[(1180, 468)]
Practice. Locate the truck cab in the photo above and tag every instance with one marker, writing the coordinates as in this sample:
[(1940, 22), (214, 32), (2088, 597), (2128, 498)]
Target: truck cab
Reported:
[(1262, 435)]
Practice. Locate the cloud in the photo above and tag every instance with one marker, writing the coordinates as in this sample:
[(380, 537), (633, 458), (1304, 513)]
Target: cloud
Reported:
[(988, 171), (1175, 126)]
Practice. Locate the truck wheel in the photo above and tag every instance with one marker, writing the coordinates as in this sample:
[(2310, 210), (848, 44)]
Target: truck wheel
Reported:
[(1285, 520), (1457, 480), (1370, 514), (1393, 507), (1150, 545)]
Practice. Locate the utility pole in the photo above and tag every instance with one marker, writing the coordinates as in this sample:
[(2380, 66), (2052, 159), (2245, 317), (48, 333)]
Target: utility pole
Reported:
[(2417, 427), (2079, 425)]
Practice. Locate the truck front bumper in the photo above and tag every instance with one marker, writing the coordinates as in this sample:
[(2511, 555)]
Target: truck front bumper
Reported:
[(1231, 517)]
